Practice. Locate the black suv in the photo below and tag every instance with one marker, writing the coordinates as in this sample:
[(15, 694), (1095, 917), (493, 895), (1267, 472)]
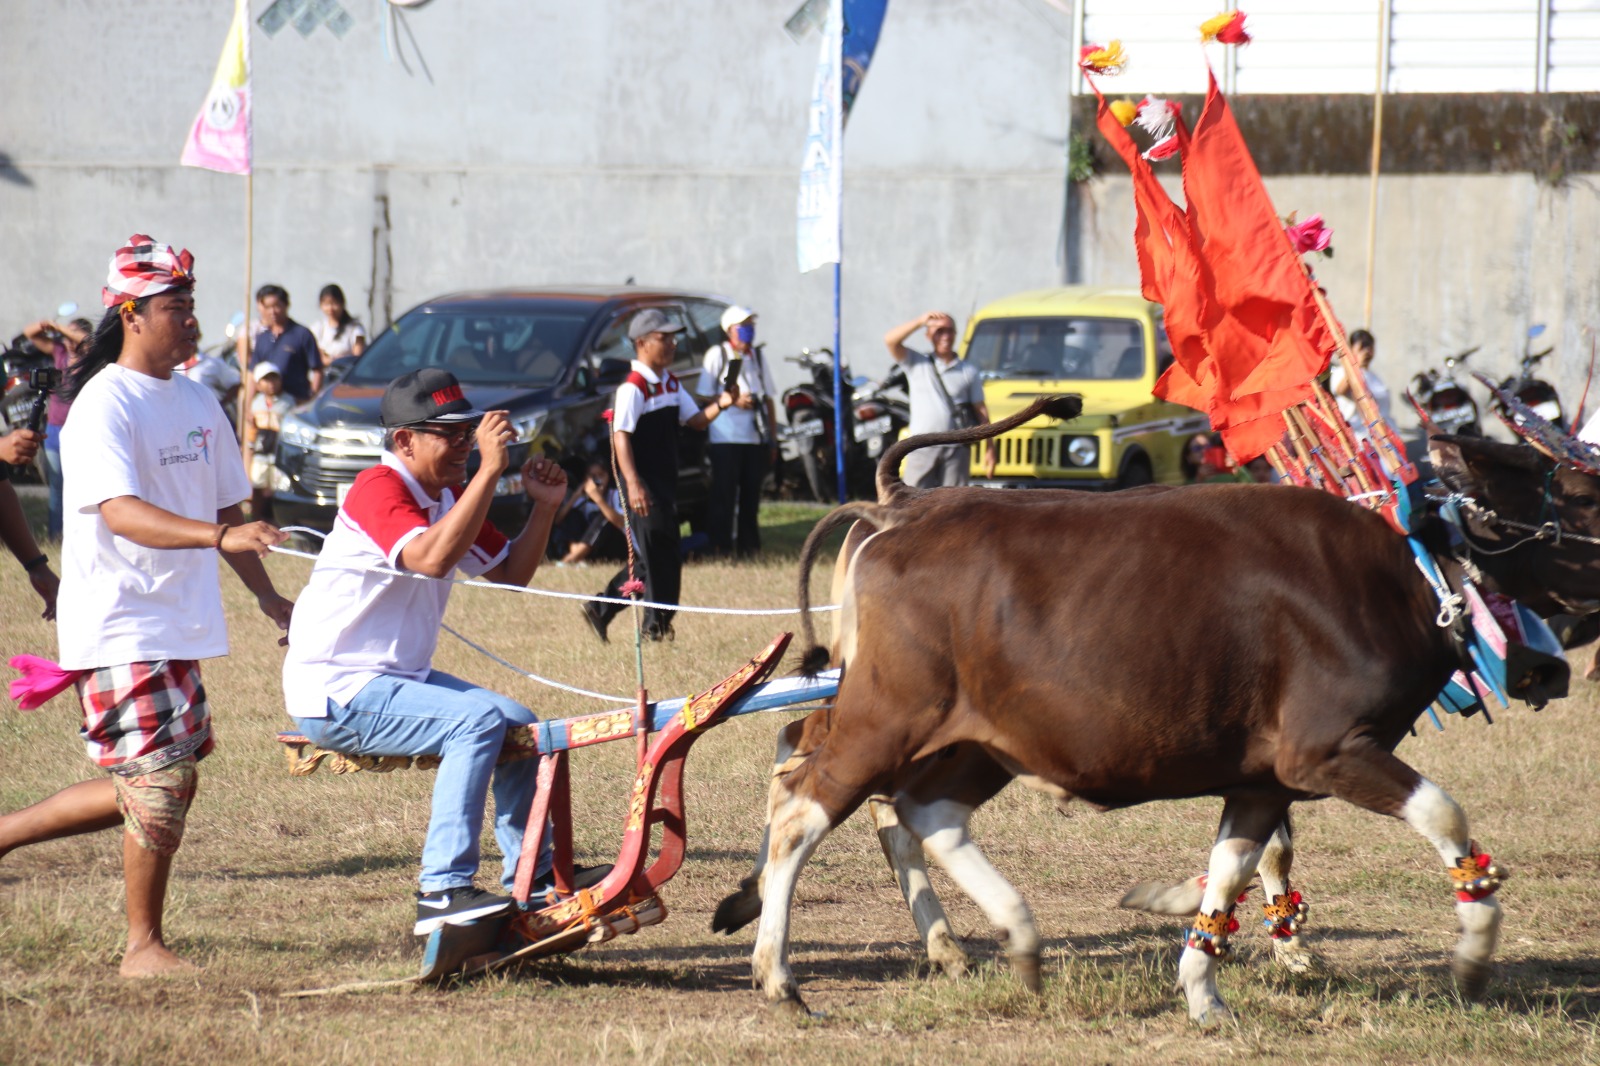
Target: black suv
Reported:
[(552, 358)]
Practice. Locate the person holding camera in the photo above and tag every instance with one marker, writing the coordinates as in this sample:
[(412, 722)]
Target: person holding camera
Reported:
[(946, 393), (740, 443), (154, 483), (63, 340), (18, 448)]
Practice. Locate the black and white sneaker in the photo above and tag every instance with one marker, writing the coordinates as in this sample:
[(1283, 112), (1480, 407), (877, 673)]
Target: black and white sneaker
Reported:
[(455, 906)]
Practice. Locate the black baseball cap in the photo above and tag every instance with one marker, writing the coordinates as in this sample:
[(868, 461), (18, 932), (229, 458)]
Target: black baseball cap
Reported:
[(431, 394)]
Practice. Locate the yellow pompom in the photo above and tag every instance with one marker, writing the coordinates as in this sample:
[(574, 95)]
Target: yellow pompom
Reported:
[(1227, 27), (1124, 111), (1098, 59)]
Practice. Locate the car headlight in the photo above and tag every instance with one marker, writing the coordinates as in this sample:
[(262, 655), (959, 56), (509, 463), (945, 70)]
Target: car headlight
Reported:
[(528, 426), (1083, 451), (296, 430)]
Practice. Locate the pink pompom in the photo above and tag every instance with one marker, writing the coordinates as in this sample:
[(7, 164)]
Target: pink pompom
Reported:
[(41, 681)]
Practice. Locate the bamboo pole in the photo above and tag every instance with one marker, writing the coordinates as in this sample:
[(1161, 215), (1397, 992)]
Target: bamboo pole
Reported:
[(1377, 155), (242, 339)]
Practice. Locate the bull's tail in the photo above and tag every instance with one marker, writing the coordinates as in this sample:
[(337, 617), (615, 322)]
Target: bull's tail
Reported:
[(889, 483), (814, 659)]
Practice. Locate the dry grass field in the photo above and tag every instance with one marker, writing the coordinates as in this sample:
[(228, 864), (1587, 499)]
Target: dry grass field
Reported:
[(285, 884)]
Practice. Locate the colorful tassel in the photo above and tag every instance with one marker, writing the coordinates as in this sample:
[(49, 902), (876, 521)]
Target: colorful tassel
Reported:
[(1103, 59), (1124, 111), (1227, 27)]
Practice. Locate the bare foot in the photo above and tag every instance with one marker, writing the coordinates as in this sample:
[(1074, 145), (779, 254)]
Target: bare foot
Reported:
[(155, 960)]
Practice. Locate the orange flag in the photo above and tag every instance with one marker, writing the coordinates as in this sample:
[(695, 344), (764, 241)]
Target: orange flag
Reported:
[(1271, 341)]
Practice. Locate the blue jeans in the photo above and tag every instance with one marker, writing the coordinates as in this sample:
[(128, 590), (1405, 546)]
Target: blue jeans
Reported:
[(50, 462), (463, 725)]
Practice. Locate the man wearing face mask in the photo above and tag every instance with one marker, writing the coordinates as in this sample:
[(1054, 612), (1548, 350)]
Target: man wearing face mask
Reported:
[(741, 441)]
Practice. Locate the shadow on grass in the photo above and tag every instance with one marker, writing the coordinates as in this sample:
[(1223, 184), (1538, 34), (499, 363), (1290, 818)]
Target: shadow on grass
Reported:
[(345, 867)]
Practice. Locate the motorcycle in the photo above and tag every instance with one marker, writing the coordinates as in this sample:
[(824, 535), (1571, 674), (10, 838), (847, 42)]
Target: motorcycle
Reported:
[(878, 412), (1537, 393), (882, 410), (1445, 400)]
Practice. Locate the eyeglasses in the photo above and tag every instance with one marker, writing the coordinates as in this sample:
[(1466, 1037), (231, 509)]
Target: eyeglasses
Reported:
[(455, 434)]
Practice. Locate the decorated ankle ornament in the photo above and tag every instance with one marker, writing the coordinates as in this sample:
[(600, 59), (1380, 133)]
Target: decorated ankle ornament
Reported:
[(1284, 915), (1210, 933), (1476, 875)]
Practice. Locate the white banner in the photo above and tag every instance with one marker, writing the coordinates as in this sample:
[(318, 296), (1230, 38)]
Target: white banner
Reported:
[(821, 170)]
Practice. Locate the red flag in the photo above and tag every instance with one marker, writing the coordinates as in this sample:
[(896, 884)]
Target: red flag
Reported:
[(1271, 341)]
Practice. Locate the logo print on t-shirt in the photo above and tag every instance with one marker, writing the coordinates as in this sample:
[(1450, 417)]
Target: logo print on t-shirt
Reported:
[(201, 439)]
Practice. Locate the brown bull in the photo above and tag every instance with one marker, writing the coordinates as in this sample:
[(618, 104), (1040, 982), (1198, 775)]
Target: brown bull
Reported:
[(1039, 630)]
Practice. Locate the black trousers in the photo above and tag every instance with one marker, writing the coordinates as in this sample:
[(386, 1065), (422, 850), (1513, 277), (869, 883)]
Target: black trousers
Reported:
[(658, 561), (737, 471)]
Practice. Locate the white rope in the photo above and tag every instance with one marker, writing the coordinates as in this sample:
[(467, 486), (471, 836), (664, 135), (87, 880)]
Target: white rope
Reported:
[(480, 649), (681, 608)]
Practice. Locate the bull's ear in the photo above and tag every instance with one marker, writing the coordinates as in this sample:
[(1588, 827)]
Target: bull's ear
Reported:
[(1444, 452)]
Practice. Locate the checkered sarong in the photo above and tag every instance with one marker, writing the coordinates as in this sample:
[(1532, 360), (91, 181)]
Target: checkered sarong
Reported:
[(144, 268), (140, 717)]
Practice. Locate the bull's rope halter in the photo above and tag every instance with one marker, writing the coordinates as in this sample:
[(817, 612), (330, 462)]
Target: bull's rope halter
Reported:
[(1550, 529)]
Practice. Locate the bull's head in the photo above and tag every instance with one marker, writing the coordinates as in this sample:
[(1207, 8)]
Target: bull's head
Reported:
[(1518, 489)]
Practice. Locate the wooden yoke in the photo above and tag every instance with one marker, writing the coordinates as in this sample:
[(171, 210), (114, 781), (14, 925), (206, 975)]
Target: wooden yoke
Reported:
[(630, 881)]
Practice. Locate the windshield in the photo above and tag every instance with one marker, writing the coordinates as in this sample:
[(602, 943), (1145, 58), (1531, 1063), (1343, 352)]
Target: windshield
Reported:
[(1075, 349), (530, 349)]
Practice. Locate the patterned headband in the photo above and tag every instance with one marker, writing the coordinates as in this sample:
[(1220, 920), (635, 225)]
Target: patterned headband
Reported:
[(143, 268)]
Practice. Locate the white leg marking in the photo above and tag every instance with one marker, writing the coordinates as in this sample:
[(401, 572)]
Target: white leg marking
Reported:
[(797, 826), (1233, 863), (942, 825), (1276, 861), (1439, 818), (904, 853)]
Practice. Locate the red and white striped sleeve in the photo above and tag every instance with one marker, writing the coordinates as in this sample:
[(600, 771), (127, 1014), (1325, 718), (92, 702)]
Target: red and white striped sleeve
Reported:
[(380, 506)]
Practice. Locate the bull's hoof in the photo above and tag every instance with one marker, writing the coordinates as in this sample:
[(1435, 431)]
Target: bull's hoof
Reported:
[(1213, 1015), (735, 912), (947, 956), (1472, 978), (789, 1007), (1026, 967), (1162, 897), (1293, 956)]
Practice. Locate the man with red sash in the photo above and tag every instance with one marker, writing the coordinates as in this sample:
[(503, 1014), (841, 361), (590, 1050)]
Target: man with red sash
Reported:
[(650, 406)]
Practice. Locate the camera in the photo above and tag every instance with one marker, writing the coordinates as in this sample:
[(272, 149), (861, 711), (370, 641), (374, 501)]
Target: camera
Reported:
[(43, 380)]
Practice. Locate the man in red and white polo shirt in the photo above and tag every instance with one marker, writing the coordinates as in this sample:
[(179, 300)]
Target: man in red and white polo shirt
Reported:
[(359, 676)]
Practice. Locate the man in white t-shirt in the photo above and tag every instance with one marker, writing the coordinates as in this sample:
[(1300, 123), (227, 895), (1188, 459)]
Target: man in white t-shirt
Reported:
[(359, 676), (153, 487), (740, 443)]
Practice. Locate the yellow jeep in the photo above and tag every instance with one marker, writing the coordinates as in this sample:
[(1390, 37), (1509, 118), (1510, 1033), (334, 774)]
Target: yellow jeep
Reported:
[(1106, 345)]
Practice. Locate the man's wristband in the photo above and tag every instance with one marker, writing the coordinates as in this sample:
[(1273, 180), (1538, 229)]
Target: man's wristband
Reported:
[(222, 531), (33, 564)]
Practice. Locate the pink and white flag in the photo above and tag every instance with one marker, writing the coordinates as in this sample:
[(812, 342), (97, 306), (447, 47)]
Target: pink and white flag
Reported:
[(220, 137)]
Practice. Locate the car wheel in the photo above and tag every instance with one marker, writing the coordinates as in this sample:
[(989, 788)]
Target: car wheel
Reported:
[(1135, 471)]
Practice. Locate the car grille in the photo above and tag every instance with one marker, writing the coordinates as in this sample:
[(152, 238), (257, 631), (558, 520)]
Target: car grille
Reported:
[(1022, 449), (335, 460)]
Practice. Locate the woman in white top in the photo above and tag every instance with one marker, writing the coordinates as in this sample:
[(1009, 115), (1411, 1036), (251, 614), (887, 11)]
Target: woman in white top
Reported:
[(338, 334)]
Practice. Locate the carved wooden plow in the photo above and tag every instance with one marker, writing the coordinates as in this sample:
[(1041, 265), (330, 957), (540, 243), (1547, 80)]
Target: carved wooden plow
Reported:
[(628, 898)]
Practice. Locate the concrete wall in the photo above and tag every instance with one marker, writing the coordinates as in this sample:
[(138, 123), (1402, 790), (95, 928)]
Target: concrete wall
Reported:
[(557, 142), (566, 142)]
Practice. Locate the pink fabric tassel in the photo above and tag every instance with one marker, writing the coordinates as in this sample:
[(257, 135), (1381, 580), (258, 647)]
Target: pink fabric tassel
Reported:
[(632, 588), (41, 681)]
